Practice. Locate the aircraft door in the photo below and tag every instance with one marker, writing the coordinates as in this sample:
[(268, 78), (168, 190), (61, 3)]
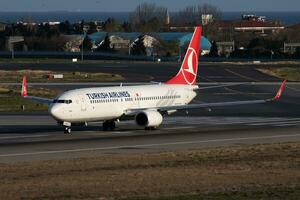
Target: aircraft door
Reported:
[(82, 102)]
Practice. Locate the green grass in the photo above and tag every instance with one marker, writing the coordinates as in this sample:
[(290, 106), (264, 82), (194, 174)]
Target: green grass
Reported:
[(13, 103), (51, 60), (33, 60), (288, 73), (262, 171), (11, 100), (64, 61), (43, 76), (5, 91)]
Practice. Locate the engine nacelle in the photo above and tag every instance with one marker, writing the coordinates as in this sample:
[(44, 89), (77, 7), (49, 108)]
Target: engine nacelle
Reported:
[(149, 118)]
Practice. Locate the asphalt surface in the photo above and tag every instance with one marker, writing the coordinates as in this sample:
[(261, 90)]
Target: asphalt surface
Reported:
[(27, 137), (133, 71), (33, 137)]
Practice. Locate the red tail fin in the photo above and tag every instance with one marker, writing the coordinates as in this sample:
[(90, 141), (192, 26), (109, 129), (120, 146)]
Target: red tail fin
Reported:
[(188, 72), (24, 87)]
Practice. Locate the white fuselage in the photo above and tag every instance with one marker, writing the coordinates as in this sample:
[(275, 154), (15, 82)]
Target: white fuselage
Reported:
[(108, 103)]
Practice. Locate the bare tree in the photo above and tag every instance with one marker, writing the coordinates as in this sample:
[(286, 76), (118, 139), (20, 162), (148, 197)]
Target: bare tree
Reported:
[(191, 15), (210, 9), (148, 17), (187, 16)]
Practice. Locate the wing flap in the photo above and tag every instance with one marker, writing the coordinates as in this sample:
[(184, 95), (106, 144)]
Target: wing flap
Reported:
[(218, 86)]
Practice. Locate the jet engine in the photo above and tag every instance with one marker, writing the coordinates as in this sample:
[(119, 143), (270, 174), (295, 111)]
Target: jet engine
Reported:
[(149, 118)]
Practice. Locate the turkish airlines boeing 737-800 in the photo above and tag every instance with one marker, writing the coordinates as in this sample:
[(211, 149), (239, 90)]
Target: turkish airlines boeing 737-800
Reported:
[(146, 104)]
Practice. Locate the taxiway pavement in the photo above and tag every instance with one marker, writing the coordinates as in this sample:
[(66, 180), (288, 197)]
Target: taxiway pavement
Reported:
[(27, 137), (36, 137)]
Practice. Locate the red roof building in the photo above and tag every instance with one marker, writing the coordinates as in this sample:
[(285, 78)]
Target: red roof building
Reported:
[(254, 24)]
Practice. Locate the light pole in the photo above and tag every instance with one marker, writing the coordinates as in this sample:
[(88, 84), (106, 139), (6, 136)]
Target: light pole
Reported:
[(272, 53), (85, 30), (129, 48), (12, 51)]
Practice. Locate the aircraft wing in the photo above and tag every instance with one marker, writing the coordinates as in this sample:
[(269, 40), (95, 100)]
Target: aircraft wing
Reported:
[(39, 99), (218, 86), (211, 105), (34, 98)]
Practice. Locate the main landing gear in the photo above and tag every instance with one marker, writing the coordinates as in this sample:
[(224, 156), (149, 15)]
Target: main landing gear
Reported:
[(151, 128), (109, 125)]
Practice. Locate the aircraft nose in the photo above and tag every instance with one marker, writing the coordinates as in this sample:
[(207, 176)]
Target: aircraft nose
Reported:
[(55, 112)]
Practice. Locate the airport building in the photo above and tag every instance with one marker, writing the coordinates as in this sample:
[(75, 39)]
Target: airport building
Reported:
[(251, 23), (291, 48), (123, 41)]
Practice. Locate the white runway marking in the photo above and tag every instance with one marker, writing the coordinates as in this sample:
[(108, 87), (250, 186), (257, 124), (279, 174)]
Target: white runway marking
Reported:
[(178, 127), (251, 121), (218, 77), (288, 124), (148, 145), (121, 66), (276, 123)]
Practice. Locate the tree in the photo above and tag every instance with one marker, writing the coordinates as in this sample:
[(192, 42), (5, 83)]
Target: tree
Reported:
[(297, 52), (166, 48), (192, 15), (187, 16), (214, 50), (105, 45), (112, 25), (263, 46), (55, 43), (126, 26), (209, 9), (138, 47), (92, 27), (2, 41), (87, 44), (45, 30), (145, 13), (65, 27)]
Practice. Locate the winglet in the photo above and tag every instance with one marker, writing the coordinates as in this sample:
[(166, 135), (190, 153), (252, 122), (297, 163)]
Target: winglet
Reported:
[(279, 93), (24, 87)]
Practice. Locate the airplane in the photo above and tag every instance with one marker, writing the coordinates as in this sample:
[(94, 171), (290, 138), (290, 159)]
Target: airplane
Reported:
[(146, 104)]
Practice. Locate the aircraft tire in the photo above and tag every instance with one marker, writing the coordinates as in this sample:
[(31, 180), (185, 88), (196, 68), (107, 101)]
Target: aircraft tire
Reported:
[(67, 130), (152, 128)]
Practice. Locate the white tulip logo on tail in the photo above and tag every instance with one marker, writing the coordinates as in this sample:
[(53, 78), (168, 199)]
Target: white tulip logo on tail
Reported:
[(189, 67)]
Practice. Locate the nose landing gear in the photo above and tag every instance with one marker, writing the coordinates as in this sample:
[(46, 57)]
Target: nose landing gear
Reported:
[(67, 130), (67, 127), (107, 126)]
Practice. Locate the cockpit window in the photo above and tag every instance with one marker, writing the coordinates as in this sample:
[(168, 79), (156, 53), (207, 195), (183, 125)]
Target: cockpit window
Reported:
[(62, 101)]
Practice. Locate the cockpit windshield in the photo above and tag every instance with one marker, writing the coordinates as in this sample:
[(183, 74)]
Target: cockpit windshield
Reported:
[(62, 101)]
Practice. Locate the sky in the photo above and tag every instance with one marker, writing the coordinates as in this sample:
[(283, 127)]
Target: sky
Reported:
[(129, 5)]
